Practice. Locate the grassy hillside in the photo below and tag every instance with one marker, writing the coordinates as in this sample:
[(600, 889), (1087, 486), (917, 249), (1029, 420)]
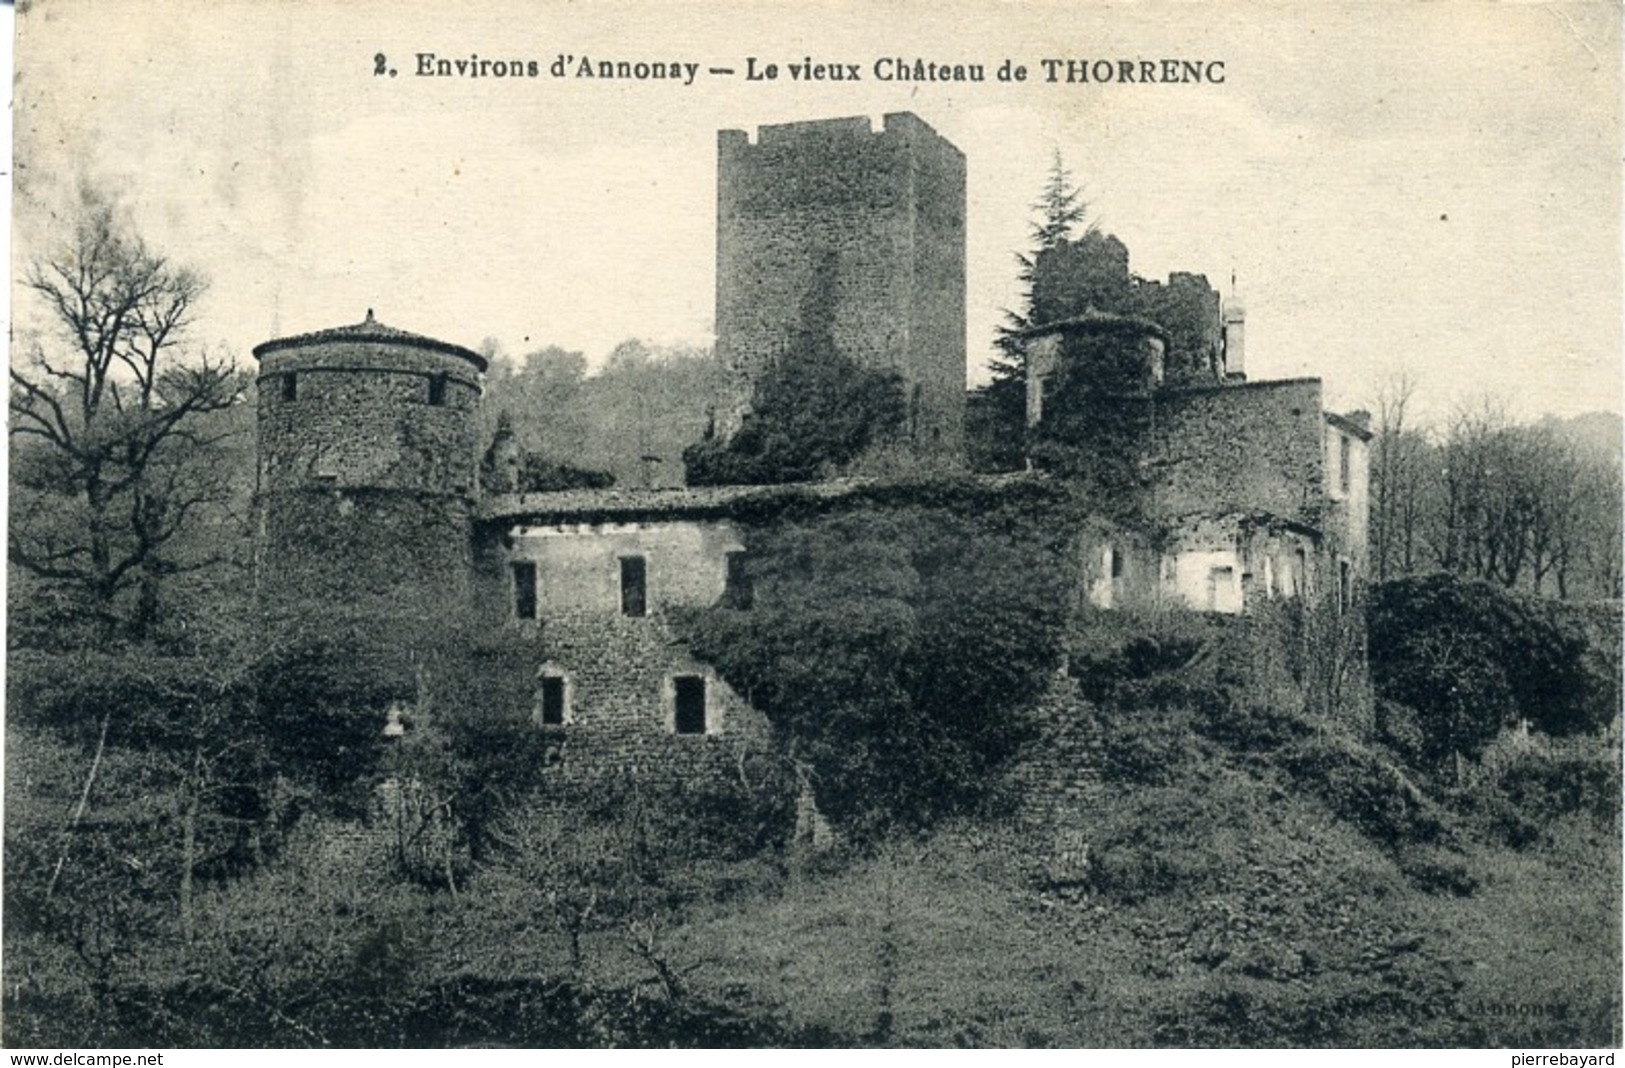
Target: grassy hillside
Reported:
[(1184, 848), (1235, 908)]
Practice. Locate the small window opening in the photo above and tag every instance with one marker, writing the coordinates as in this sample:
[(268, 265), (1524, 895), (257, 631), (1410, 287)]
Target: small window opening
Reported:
[(290, 387), (1345, 586), (1117, 562), (739, 591), (550, 701), (634, 586), (690, 700), (437, 391), (1343, 463), (524, 589)]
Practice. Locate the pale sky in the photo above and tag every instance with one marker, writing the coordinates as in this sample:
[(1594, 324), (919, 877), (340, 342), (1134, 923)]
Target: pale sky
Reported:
[(1432, 189)]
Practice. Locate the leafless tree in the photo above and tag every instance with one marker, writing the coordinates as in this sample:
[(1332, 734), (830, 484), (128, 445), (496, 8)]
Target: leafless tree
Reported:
[(1520, 505), (110, 459), (1399, 483), (1600, 540)]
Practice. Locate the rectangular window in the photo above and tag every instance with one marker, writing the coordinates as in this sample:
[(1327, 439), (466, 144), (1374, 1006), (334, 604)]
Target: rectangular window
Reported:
[(1345, 586), (437, 390), (550, 701), (634, 586), (1343, 463), (739, 591), (290, 387), (524, 589), (1117, 563), (690, 702)]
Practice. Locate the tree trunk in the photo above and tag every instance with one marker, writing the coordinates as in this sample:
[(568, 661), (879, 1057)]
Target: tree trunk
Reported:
[(84, 801), (188, 862)]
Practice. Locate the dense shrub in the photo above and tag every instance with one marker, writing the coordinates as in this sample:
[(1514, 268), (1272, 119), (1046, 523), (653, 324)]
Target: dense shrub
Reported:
[(1150, 748), (1221, 679), (1365, 790), (1252, 727), (895, 649), (814, 411), (1121, 657), (538, 474), (1547, 785), (1471, 659), (1528, 784), (1400, 731), (1166, 846)]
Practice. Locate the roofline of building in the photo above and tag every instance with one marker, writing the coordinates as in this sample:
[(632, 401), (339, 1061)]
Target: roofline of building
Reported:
[(892, 122), (1245, 518), (1231, 387), (1343, 422), (702, 502), (348, 335), (1096, 321)]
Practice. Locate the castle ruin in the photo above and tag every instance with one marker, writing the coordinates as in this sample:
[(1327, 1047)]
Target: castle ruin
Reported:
[(368, 453), (831, 229)]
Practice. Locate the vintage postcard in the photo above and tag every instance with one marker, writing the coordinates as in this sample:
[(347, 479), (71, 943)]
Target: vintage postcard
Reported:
[(984, 524)]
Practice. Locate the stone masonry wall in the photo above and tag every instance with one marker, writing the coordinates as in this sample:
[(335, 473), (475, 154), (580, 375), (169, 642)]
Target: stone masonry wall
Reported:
[(1188, 308), (1348, 513), (362, 418), (366, 487), (618, 669), (619, 675), (1092, 274), (390, 552), (831, 219), (1247, 448), (1054, 785)]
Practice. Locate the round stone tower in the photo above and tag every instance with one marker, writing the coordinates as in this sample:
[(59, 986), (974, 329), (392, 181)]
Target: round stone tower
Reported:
[(368, 460)]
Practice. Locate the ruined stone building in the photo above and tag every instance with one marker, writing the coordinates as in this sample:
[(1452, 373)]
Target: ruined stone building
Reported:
[(369, 450), (833, 230), (1243, 489)]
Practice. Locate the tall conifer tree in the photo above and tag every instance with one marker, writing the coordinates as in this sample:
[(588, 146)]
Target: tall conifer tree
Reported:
[(1059, 214)]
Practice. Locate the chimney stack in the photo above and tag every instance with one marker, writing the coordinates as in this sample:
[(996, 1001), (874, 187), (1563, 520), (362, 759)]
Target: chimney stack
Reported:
[(1235, 359)]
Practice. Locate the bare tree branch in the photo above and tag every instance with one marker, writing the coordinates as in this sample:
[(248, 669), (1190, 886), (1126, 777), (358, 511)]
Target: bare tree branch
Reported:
[(108, 417)]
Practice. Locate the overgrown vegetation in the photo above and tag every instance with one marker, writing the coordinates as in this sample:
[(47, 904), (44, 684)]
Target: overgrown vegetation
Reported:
[(895, 650), (815, 409), (629, 419), (996, 426), (1292, 881), (211, 840), (508, 467), (1470, 660)]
